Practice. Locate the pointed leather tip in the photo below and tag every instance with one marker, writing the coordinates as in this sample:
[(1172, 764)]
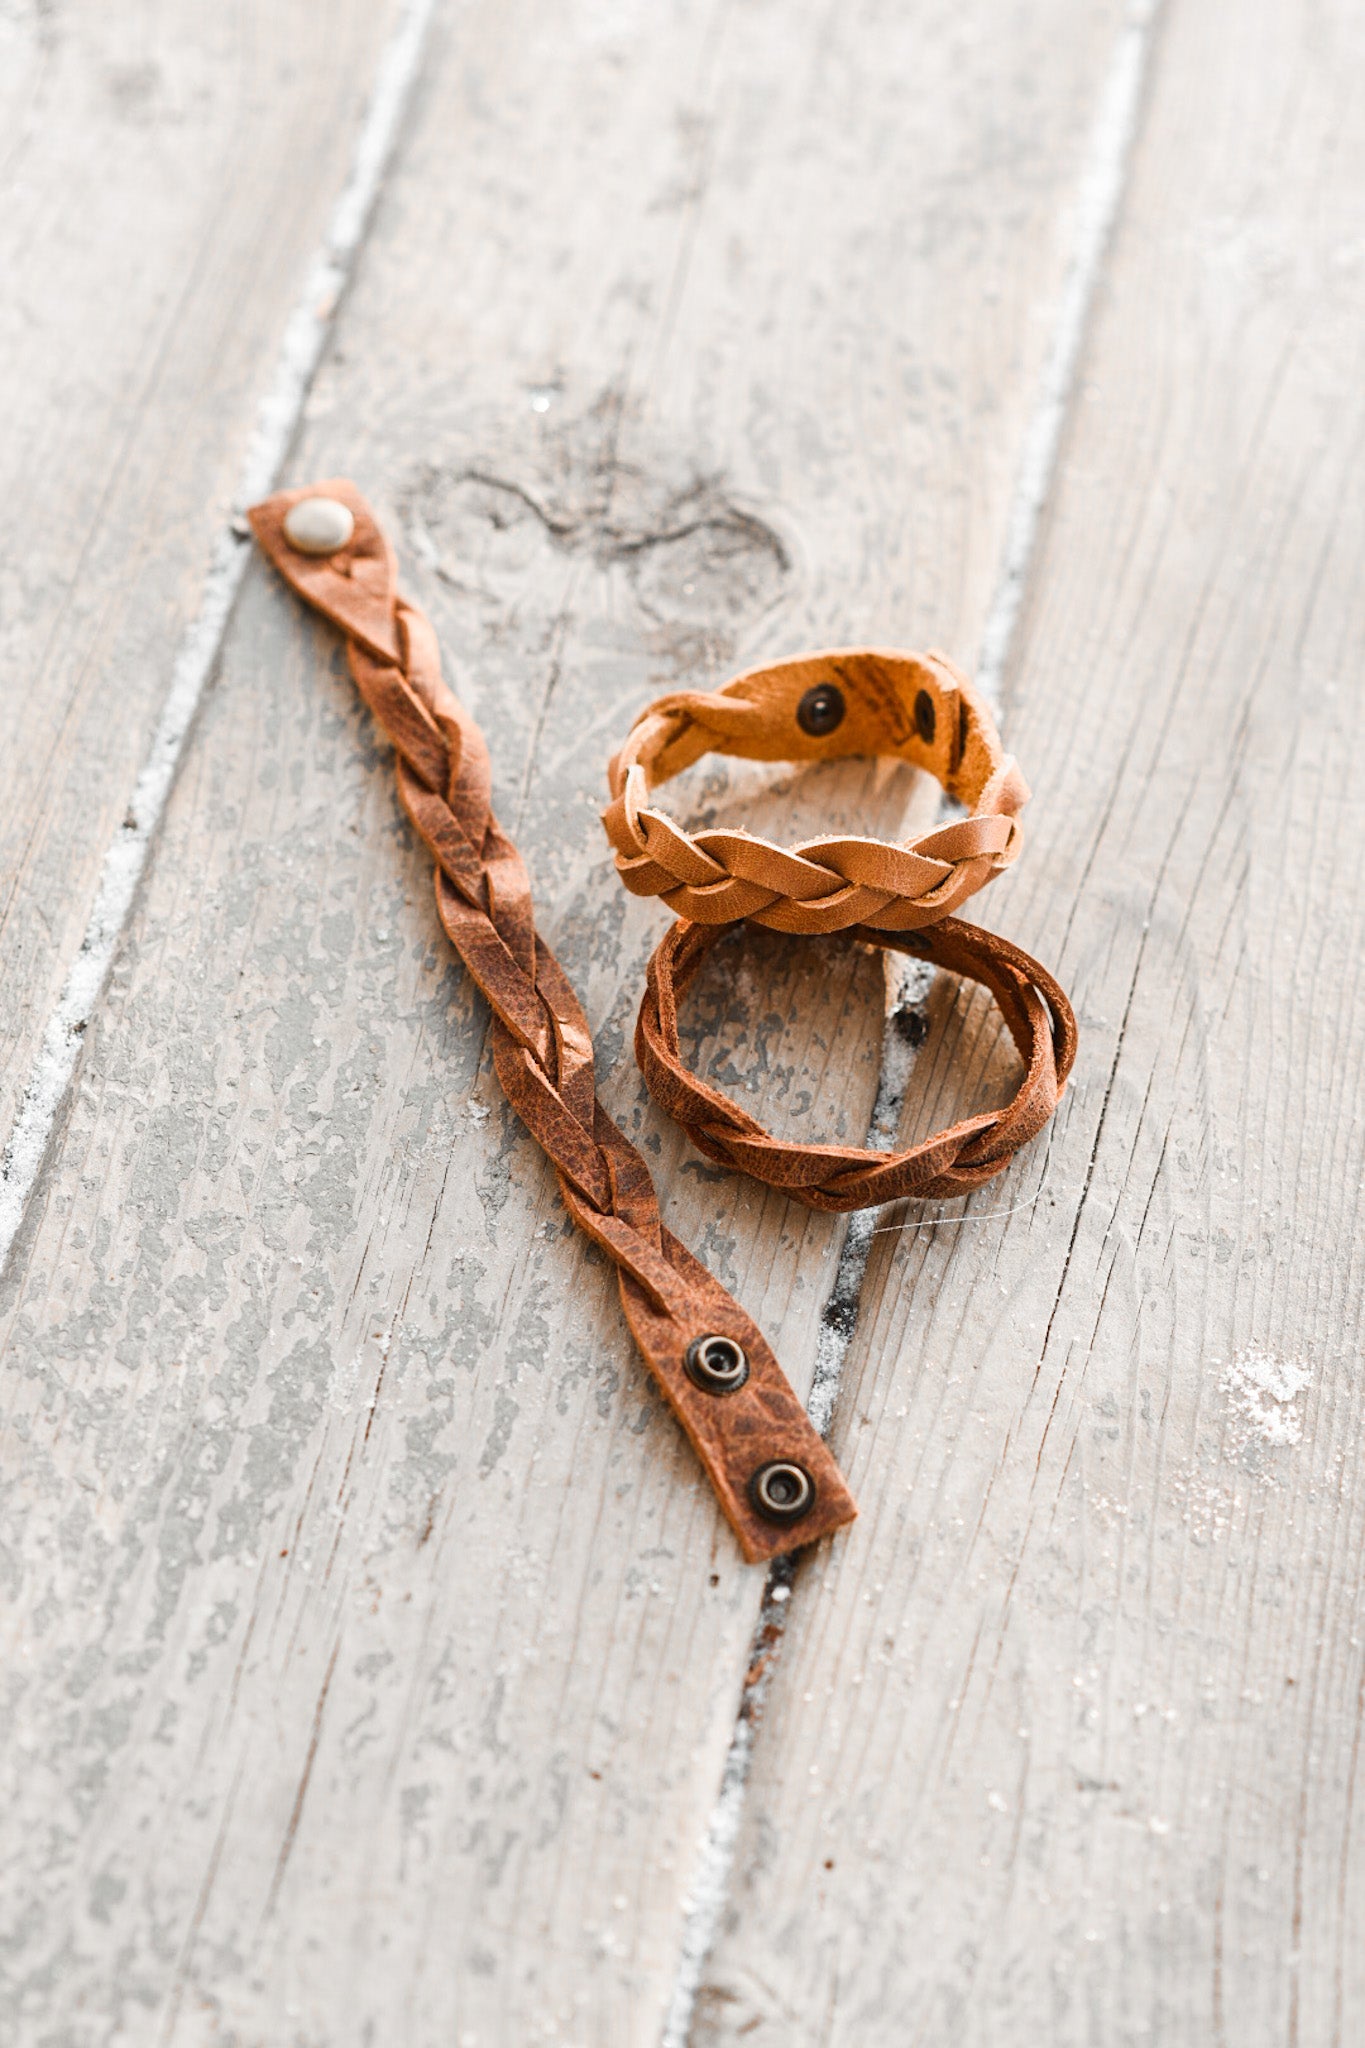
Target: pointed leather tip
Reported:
[(355, 586)]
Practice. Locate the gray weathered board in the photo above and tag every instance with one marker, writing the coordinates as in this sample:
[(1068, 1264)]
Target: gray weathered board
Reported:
[(372, 1649), (165, 173)]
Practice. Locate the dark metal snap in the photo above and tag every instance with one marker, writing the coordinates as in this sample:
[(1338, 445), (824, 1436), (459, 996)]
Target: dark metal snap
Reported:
[(716, 1364), (820, 710), (925, 719), (782, 1491)]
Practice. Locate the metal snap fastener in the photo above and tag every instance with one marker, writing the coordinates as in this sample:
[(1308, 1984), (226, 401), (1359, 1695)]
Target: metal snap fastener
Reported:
[(820, 710), (925, 719), (318, 526), (716, 1364), (782, 1491)]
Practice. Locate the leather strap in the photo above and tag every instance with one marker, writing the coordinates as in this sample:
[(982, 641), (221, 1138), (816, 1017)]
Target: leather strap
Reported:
[(820, 707), (1040, 1021), (774, 1477)]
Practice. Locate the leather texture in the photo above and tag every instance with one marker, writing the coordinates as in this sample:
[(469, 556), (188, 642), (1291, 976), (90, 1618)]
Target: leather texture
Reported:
[(1040, 1021), (910, 707), (542, 1046)]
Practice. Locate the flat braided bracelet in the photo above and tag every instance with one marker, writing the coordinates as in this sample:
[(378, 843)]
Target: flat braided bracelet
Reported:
[(1039, 1019), (774, 1477), (820, 707)]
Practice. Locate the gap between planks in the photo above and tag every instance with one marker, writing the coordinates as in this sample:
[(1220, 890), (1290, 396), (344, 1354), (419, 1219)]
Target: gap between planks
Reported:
[(1103, 182), (277, 418)]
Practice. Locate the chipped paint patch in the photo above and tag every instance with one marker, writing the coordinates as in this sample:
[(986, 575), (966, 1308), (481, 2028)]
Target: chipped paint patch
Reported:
[(1263, 1392)]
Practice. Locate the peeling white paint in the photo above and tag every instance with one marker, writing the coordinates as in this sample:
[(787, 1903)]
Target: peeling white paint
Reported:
[(710, 1886), (1264, 1391)]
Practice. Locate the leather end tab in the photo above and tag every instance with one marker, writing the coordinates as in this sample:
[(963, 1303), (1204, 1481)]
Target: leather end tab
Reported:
[(754, 1438), (355, 586), (774, 1477)]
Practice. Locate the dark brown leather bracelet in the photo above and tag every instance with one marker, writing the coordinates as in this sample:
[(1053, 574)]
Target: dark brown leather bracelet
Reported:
[(774, 1477), (1039, 1019)]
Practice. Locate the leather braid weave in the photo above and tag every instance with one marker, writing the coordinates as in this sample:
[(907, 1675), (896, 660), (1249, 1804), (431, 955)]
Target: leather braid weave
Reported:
[(953, 1162), (542, 1045), (909, 707)]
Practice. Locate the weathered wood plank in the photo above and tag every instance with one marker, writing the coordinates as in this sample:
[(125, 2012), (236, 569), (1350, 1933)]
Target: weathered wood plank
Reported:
[(1063, 1742), (380, 1644), (165, 174)]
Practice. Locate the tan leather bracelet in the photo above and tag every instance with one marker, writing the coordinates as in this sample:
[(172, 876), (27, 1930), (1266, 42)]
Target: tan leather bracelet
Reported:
[(1040, 1021), (820, 707), (775, 1478), (916, 708)]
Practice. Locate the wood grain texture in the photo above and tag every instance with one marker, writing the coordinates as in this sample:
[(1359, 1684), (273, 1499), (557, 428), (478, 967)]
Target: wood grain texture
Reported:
[(375, 1642), (166, 171), (1063, 1743)]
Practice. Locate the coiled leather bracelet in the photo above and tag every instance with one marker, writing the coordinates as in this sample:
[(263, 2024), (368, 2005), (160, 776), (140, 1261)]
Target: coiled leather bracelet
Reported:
[(1037, 1014), (920, 709), (774, 1477)]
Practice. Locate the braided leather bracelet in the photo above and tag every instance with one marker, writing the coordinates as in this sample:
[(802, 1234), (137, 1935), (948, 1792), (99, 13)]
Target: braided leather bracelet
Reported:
[(774, 1477), (918, 708), (952, 1163), (820, 707)]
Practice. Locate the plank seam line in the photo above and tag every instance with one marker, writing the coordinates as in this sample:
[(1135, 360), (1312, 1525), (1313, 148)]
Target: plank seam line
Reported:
[(1103, 182), (278, 414), (1098, 199)]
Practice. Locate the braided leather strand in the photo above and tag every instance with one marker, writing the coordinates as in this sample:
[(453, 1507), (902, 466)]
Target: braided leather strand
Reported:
[(1036, 1012), (542, 1045), (917, 708), (911, 707)]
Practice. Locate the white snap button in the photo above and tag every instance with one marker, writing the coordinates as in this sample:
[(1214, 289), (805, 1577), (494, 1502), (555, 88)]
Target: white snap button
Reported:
[(318, 526)]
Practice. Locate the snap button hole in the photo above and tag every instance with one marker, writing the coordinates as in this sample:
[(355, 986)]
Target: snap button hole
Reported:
[(925, 720), (716, 1364), (782, 1491), (821, 710)]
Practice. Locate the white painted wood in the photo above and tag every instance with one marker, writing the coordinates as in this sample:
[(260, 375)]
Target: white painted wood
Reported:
[(1062, 1745), (166, 172), (374, 1642)]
